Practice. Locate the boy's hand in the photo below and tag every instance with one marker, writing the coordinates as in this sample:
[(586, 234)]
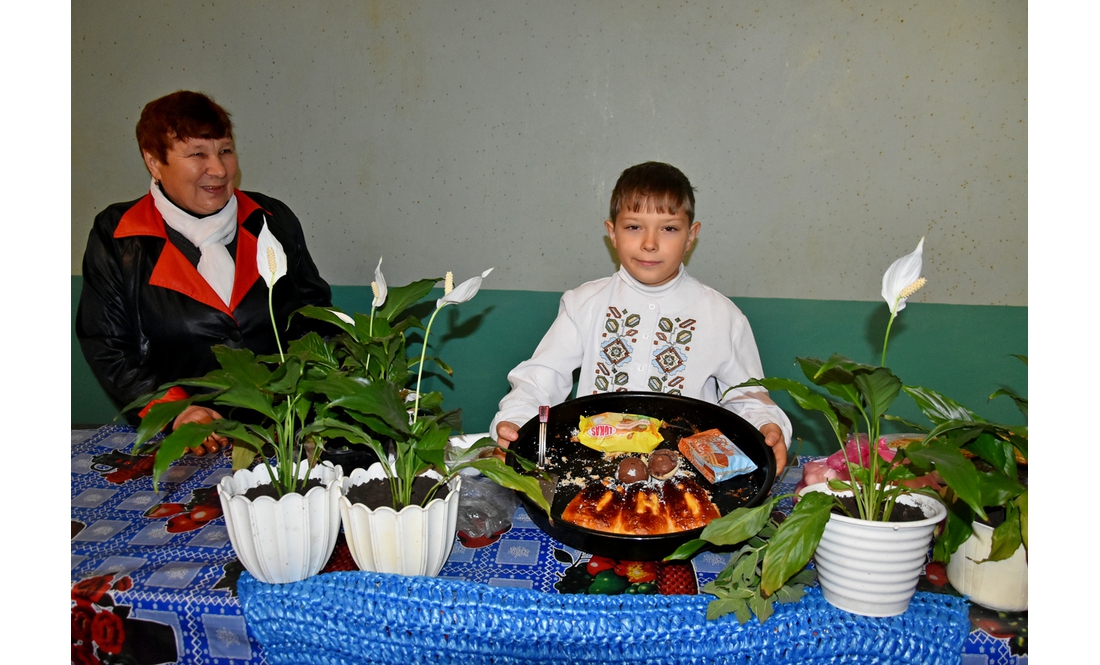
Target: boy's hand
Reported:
[(773, 436), (506, 433)]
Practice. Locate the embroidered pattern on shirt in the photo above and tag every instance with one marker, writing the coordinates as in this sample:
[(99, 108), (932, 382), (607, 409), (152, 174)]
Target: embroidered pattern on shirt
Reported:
[(616, 350), (670, 354)]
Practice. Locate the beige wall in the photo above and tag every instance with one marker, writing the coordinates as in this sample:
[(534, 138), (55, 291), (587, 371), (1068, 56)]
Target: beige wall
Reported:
[(825, 138)]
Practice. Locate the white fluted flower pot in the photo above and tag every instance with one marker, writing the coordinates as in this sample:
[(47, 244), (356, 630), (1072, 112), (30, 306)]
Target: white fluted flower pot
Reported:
[(871, 568), (415, 541), (284, 540), (998, 585)]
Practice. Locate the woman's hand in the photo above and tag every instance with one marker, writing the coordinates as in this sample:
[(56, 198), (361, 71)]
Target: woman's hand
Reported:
[(773, 436), (202, 415)]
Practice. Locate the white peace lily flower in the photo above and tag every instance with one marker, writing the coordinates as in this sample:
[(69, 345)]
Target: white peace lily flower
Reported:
[(378, 286), (899, 277), (463, 291), (270, 257), (343, 317)]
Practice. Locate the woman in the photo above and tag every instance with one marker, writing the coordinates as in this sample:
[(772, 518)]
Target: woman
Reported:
[(173, 273)]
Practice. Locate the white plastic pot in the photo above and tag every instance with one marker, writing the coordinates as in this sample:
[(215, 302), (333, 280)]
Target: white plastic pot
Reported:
[(998, 585), (284, 540), (415, 541), (871, 568)]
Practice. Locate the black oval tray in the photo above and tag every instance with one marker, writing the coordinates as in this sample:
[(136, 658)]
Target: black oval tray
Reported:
[(683, 416)]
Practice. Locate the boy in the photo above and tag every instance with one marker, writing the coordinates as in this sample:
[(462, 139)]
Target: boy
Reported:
[(650, 326)]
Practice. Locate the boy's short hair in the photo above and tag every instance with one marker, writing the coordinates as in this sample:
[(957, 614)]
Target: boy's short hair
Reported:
[(180, 116), (653, 187)]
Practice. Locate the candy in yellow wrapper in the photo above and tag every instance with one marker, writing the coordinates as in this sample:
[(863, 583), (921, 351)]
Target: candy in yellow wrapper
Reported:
[(620, 432)]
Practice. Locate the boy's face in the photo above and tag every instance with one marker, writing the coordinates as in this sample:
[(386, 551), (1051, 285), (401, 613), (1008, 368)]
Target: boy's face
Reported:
[(651, 245)]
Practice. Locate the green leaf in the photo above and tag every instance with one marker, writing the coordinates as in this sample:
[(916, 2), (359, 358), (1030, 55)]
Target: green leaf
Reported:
[(909, 424), (720, 608), (284, 380), (157, 418), (998, 489), (957, 472), (879, 389), (744, 571), (239, 366), (795, 540), (312, 348), (939, 408), (378, 399), (998, 452), (795, 588), (505, 476), (956, 529), (247, 397), (687, 550), (431, 446), (173, 447), (442, 365), (1021, 402), (762, 607), (1021, 504), (326, 314), (242, 457), (1007, 536), (739, 524), (839, 362), (400, 298), (834, 375)]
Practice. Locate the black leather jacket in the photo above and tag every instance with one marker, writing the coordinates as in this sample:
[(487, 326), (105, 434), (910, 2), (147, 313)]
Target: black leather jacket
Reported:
[(147, 317)]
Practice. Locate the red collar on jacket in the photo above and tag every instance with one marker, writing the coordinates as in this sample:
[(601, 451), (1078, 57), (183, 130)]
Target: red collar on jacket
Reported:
[(174, 271)]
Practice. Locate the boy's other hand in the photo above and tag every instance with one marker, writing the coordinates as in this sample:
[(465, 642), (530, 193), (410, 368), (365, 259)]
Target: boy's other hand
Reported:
[(773, 436)]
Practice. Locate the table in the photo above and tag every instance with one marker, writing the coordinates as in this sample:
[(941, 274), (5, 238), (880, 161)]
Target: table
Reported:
[(154, 575)]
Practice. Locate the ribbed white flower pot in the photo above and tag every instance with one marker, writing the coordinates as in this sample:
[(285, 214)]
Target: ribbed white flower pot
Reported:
[(415, 541), (284, 540), (871, 568), (998, 585)]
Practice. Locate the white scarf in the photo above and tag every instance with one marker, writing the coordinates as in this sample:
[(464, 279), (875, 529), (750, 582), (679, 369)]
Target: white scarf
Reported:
[(210, 234)]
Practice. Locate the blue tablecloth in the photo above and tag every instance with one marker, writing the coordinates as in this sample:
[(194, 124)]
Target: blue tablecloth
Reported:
[(154, 575)]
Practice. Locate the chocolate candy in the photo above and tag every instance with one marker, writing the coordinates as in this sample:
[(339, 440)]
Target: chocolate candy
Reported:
[(663, 464), (631, 470)]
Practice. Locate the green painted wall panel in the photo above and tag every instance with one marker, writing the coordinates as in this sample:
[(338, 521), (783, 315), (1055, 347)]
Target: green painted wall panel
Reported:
[(963, 351)]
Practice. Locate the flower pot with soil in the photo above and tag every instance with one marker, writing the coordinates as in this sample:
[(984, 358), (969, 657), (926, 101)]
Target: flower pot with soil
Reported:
[(282, 539), (983, 467), (871, 567), (998, 585), (415, 540)]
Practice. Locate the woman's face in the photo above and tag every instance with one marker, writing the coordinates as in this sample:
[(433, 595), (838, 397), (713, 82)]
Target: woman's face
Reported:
[(199, 175)]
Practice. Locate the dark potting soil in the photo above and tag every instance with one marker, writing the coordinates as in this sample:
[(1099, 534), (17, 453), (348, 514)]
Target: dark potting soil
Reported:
[(268, 490), (996, 514), (996, 517), (901, 513), (376, 493)]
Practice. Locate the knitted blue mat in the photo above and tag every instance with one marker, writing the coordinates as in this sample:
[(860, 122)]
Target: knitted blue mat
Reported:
[(360, 617)]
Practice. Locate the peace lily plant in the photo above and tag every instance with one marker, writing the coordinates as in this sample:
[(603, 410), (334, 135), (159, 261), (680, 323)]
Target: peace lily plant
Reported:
[(769, 566), (283, 407)]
